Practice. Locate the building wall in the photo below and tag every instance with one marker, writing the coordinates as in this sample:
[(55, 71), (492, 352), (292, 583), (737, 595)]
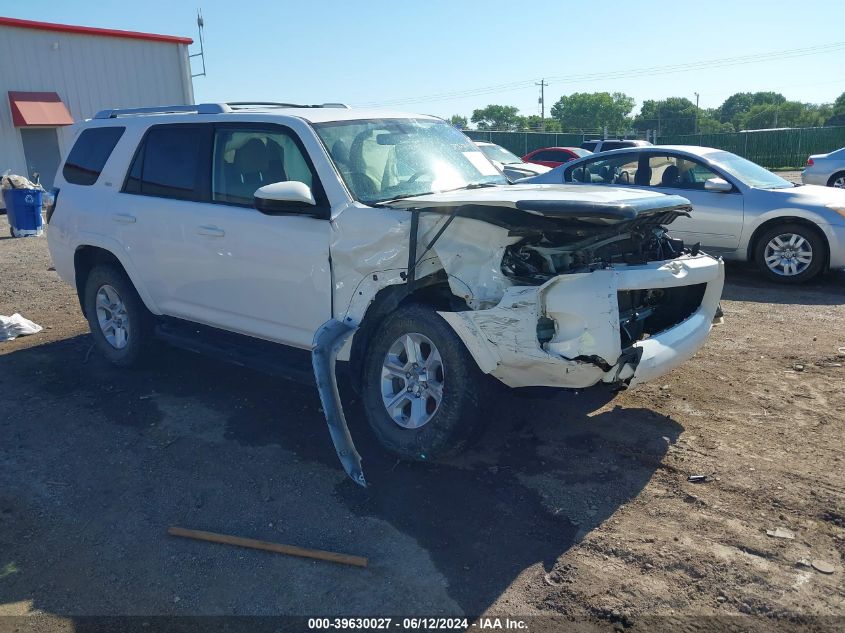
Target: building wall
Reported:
[(89, 73)]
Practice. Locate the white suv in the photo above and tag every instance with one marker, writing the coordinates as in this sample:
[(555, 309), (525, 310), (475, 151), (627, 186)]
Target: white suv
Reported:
[(383, 239)]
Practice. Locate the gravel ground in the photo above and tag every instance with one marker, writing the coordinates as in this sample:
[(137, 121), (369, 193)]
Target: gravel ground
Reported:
[(576, 506)]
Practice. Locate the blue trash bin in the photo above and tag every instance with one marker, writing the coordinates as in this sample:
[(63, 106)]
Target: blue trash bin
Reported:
[(23, 208)]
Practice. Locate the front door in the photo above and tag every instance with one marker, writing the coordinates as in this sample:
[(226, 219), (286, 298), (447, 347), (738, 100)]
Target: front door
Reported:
[(41, 150), (717, 216)]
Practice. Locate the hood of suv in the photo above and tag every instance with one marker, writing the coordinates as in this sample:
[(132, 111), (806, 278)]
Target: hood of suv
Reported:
[(601, 205)]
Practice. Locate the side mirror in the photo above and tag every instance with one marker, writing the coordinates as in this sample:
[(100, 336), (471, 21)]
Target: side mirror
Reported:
[(717, 184), (290, 196)]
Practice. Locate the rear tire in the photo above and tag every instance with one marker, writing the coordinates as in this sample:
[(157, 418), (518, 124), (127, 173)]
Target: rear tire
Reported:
[(436, 408), (837, 180), (790, 253), (119, 321)]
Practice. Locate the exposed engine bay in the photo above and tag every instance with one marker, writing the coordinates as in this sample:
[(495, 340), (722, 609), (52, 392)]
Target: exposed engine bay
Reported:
[(536, 259)]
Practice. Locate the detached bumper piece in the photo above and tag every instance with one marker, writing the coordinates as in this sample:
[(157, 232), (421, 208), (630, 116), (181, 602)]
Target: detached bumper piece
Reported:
[(328, 341)]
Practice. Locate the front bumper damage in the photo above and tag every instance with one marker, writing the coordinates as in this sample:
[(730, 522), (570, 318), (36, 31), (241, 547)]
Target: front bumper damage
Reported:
[(586, 347), (584, 350)]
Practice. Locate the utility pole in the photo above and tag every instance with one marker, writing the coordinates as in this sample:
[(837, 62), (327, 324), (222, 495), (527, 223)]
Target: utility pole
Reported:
[(696, 113), (542, 100)]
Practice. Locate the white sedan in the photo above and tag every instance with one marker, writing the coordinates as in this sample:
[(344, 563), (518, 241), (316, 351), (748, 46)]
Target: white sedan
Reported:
[(740, 210), (511, 165)]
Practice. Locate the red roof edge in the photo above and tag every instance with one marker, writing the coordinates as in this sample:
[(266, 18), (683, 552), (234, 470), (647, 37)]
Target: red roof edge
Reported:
[(90, 30)]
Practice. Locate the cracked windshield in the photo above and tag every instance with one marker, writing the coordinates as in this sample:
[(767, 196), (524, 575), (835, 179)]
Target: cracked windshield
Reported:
[(382, 160)]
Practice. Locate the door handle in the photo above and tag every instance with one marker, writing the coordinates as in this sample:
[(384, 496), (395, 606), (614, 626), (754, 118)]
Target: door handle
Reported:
[(210, 231), (123, 218)]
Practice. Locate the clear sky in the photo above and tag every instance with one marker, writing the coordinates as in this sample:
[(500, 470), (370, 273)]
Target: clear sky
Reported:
[(383, 52)]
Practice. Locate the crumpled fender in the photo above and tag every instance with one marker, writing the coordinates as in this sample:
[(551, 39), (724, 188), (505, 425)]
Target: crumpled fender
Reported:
[(327, 342), (503, 339)]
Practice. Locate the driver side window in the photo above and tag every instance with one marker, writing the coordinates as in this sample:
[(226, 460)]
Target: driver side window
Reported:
[(616, 170)]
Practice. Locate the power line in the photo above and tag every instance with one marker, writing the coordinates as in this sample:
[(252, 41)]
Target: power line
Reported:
[(623, 74)]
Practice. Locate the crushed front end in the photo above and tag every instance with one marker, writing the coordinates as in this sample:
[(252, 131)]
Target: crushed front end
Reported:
[(595, 300)]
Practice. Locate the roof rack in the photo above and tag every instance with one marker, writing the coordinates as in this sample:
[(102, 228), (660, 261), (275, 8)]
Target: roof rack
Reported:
[(208, 108), (200, 108)]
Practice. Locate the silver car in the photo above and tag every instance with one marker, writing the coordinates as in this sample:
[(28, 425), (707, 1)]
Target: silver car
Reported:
[(511, 165), (740, 210), (825, 169)]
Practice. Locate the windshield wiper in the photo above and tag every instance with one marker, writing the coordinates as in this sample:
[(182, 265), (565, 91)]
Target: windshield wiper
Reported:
[(472, 185)]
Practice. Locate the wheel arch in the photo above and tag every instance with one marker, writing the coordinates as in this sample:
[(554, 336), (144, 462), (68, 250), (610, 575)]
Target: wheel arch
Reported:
[(432, 290), (87, 256), (786, 219), (834, 176)]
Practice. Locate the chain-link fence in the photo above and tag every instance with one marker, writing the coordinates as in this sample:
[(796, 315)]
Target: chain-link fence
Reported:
[(785, 148)]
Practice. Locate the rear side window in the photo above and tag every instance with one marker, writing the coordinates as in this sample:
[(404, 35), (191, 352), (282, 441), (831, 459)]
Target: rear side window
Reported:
[(90, 153), (170, 163)]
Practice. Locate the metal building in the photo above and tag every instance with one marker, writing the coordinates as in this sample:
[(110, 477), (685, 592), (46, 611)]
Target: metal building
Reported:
[(55, 74)]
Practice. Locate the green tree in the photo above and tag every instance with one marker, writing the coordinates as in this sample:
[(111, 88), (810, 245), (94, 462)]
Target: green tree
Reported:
[(785, 114), (740, 104), (533, 123), (593, 110), (838, 108), (675, 115), (459, 121), (497, 117), (708, 124)]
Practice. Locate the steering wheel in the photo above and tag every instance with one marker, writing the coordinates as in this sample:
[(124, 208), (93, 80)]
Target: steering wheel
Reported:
[(421, 172)]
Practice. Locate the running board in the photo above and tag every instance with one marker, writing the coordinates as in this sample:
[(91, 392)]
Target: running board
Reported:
[(275, 359)]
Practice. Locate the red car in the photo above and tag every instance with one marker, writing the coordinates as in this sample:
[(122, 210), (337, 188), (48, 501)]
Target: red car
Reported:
[(554, 156)]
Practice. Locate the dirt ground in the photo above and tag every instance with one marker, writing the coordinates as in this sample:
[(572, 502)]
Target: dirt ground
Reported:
[(576, 505)]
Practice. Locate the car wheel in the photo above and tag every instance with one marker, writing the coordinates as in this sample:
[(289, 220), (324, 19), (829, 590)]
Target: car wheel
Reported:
[(790, 253), (837, 180), (120, 323), (422, 389)]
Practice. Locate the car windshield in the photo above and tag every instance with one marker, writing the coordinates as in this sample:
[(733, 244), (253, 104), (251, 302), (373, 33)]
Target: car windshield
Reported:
[(749, 173), (385, 159), (499, 153), (581, 152)]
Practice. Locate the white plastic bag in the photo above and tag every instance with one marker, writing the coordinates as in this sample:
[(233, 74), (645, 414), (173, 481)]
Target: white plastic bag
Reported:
[(15, 326)]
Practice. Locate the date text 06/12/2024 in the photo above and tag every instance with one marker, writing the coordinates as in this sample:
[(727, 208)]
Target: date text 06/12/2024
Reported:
[(418, 624)]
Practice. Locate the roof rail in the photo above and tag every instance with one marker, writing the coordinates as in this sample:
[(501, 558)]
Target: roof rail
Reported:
[(248, 105), (208, 108), (200, 108)]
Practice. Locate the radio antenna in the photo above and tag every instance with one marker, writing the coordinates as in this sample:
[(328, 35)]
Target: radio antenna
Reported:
[(201, 54)]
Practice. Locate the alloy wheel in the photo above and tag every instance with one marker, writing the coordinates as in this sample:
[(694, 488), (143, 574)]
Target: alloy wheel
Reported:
[(112, 317), (412, 380)]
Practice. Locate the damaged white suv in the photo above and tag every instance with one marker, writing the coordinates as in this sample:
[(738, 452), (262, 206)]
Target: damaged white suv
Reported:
[(387, 240)]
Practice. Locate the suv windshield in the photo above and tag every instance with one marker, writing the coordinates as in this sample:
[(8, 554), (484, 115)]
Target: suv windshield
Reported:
[(499, 153), (750, 173), (384, 159)]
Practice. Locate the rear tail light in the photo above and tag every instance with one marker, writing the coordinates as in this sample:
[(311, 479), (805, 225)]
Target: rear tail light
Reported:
[(810, 162), (51, 202)]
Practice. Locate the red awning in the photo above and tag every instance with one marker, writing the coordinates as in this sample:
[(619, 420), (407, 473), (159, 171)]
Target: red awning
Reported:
[(38, 108)]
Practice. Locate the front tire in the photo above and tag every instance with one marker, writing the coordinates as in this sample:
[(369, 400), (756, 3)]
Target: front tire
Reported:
[(422, 390), (118, 319), (790, 253)]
